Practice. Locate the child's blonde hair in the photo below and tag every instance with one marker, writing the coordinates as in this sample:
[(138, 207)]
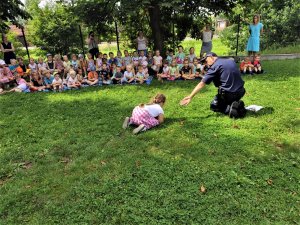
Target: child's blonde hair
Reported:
[(157, 99)]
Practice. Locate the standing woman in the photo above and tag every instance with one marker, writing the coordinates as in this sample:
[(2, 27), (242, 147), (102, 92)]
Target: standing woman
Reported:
[(141, 43), (253, 42), (206, 37), (8, 49), (92, 44)]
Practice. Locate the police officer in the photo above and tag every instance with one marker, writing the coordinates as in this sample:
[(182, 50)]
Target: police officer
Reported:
[(227, 78)]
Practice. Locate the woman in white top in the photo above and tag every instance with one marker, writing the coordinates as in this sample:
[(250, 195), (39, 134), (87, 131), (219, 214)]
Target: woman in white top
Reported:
[(207, 36), (141, 43), (146, 116)]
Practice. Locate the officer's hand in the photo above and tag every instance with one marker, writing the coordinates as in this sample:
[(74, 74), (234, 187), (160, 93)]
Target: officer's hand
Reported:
[(185, 101)]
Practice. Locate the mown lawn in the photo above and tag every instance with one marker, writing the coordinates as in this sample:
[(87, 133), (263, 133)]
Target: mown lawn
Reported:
[(64, 158)]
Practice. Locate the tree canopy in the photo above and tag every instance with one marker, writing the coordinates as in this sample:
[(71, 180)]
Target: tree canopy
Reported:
[(155, 18), (11, 11)]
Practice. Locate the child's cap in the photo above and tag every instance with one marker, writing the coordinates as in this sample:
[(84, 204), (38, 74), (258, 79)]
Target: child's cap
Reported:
[(49, 54), (145, 63), (80, 56)]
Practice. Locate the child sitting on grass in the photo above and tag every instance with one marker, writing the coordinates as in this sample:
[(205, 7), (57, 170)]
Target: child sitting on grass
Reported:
[(186, 71), (105, 74), (57, 82), (174, 72), (32, 66), (36, 82), (6, 77), (117, 77), (48, 79), (246, 66), (92, 79), (197, 69), (146, 116), (140, 76), (22, 86), (73, 83), (129, 75), (257, 65), (157, 61), (165, 72)]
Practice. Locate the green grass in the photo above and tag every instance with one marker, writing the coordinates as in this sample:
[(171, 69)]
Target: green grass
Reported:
[(294, 48), (64, 158)]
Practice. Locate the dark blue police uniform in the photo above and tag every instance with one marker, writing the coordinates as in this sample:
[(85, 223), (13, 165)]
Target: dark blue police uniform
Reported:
[(227, 78)]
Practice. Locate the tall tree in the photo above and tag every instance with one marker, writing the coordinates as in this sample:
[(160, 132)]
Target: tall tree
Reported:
[(54, 27), (11, 11)]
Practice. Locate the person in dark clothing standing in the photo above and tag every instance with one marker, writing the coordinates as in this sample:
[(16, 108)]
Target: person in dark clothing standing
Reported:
[(92, 44), (227, 78), (8, 49)]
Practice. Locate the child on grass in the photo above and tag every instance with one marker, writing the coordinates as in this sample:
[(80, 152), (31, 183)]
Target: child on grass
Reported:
[(57, 82), (186, 71), (105, 74), (119, 59), (146, 116), (92, 79), (32, 66), (22, 85), (165, 72), (135, 59), (197, 69), (59, 65), (246, 66), (129, 75), (180, 57), (99, 61), (74, 62), (73, 83), (50, 64), (90, 63), (67, 65), (170, 57), (142, 57), (6, 77), (157, 61), (117, 77), (174, 72), (191, 56), (36, 82), (83, 64), (48, 79), (126, 60), (41, 65), (257, 65), (140, 76)]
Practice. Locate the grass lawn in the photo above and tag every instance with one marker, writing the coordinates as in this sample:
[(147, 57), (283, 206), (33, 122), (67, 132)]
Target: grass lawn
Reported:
[(64, 158)]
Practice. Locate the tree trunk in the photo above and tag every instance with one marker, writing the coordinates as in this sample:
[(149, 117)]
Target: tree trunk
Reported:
[(155, 21)]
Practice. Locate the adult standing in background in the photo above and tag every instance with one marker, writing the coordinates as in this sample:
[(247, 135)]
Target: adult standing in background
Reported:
[(92, 44), (141, 42), (206, 38), (8, 49), (253, 42)]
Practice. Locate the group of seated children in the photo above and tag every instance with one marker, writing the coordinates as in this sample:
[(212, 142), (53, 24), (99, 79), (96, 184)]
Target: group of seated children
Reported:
[(247, 66), (59, 73)]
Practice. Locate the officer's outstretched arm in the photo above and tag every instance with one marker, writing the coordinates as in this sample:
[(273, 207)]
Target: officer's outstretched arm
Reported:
[(187, 99)]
